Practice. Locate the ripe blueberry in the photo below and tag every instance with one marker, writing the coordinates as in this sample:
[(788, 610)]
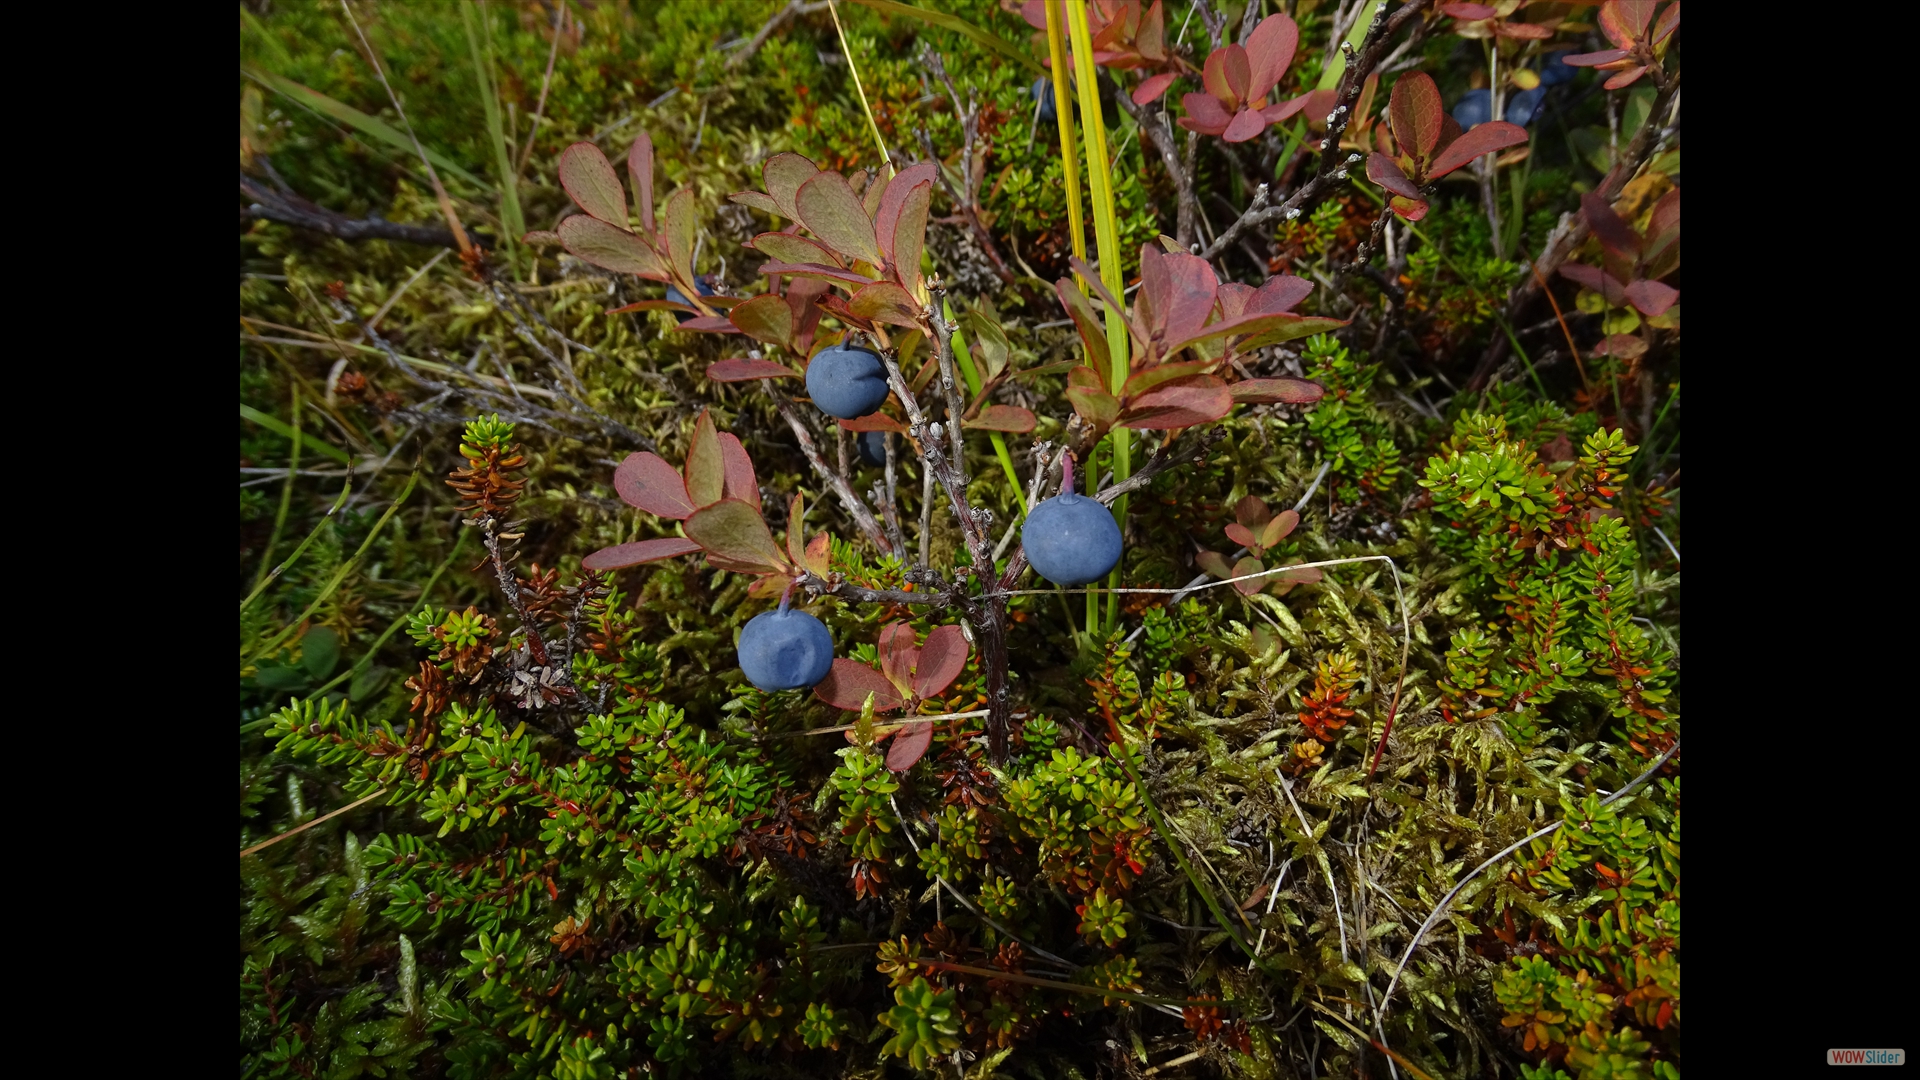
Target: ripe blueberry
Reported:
[(1474, 107), (1071, 539), (1556, 70), (1522, 105), (847, 381), (785, 650), (873, 447), (700, 284)]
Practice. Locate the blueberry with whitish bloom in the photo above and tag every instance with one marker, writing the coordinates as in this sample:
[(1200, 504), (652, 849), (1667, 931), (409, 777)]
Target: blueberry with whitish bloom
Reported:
[(1071, 539), (873, 447), (785, 649), (847, 381), (1522, 106), (1474, 107)]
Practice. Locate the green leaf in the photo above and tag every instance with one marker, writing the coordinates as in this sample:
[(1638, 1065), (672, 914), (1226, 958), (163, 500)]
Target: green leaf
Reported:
[(247, 412), (360, 122), (320, 651), (734, 532), (765, 318), (831, 211), (610, 248), (706, 467)]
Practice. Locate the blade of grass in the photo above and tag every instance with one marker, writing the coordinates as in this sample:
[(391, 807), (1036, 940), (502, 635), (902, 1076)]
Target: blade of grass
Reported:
[(964, 358), (355, 119), (279, 427), (339, 575), (286, 499), (480, 43), (439, 189), (1355, 35), (366, 660), (259, 587), (847, 52), (1106, 234), (992, 42)]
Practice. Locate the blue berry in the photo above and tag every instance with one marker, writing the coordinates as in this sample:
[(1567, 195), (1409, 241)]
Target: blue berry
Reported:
[(873, 447), (785, 650), (1522, 106), (1475, 107), (1042, 92), (1555, 70), (700, 284), (847, 381), (1071, 539)]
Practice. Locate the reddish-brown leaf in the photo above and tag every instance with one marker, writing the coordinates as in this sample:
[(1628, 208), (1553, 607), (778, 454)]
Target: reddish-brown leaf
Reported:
[(815, 270), (1651, 297), (1411, 209), (1415, 112), (1248, 565), (1594, 59), (793, 248), (640, 171), (943, 656), (1278, 294), (643, 480), (1382, 170), (765, 318), (591, 182), (1151, 38), (1251, 512), (1147, 378), (734, 531), (888, 216), (1625, 21), (883, 301), (796, 529), (540, 236), (1614, 234), (759, 200), (1522, 31), (1242, 535), (1090, 397), (744, 370), (1483, 139), (1625, 78), (1669, 22), (1277, 529), (1153, 86), (1093, 335), (1469, 12), (1270, 51), (609, 248), (1009, 418), (1285, 388), (1213, 76), (640, 551), (899, 655), (711, 324), (819, 555), (740, 483), (1205, 114), (783, 174), (875, 422), (909, 746), (1247, 124), (831, 211), (1596, 279), (1214, 564), (1623, 346), (848, 684), (1199, 400), (909, 236)]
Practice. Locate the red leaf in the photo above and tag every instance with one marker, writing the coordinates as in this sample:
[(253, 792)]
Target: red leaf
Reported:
[(887, 217), (1411, 209), (1596, 279), (801, 294), (1483, 139), (1151, 88), (1200, 400), (643, 480), (1415, 112), (1092, 334), (1191, 287), (1277, 529), (1242, 535), (848, 684), (1247, 124), (943, 656), (640, 171), (710, 324), (1035, 12), (1382, 170), (1614, 234), (1651, 297), (909, 746), (1669, 22), (1625, 78), (812, 270), (591, 182), (831, 211), (733, 532), (1205, 114), (1270, 51), (883, 301), (1522, 31), (1251, 512), (1625, 21), (1278, 294), (1009, 418), (898, 655), (609, 248), (739, 481), (743, 370), (875, 422), (1281, 110), (1468, 12), (642, 551), (783, 174), (1594, 59), (909, 236), (1149, 377), (1249, 565), (1624, 346), (765, 318), (1090, 397), (1286, 388)]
